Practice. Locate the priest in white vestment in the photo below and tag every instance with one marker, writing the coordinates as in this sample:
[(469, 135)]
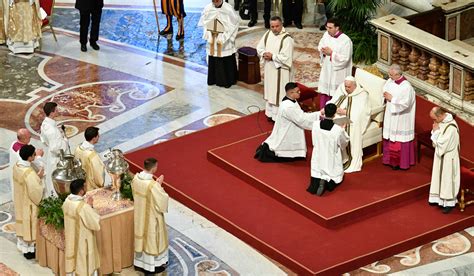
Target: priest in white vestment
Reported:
[(335, 50), (446, 175), (23, 136), (150, 206), (275, 50), (28, 193), (23, 29), (220, 25), (81, 222), (287, 141), (329, 140), (91, 163), (352, 102), (399, 121), (54, 140)]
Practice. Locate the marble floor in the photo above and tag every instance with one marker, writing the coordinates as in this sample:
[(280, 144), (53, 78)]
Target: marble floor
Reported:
[(141, 90)]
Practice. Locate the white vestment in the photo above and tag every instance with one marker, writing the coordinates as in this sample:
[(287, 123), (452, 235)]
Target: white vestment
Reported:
[(23, 25), (399, 119), (287, 138), (337, 66), (446, 175), (37, 164), (229, 18), (278, 71), (326, 161), (357, 109), (54, 140)]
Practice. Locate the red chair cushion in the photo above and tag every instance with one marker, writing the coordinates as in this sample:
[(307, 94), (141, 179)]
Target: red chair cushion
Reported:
[(467, 177), (306, 92), (47, 6), (45, 22)]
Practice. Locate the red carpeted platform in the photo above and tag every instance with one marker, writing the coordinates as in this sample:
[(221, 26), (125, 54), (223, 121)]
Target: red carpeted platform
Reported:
[(279, 231), (371, 191)]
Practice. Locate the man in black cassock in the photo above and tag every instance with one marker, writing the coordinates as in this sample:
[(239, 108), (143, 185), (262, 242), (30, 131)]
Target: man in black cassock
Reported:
[(90, 12)]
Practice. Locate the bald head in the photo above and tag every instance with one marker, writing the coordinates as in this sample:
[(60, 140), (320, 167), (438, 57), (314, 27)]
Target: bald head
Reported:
[(438, 114), (23, 135), (350, 84)]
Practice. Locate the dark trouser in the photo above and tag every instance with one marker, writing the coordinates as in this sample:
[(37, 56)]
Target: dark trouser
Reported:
[(86, 18), (292, 11), (222, 71), (266, 9)]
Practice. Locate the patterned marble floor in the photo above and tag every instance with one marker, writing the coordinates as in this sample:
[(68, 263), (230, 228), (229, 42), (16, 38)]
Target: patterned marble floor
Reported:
[(140, 91)]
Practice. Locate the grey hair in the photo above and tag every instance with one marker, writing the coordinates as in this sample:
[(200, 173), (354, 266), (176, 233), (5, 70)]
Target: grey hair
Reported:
[(396, 68)]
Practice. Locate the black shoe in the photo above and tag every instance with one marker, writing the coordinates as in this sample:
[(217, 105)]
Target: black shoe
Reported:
[(267, 24), (321, 188), (252, 23), (95, 46), (83, 47), (447, 210), (169, 31), (30, 255), (322, 28), (179, 37), (433, 204), (299, 26), (396, 168), (160, 269)]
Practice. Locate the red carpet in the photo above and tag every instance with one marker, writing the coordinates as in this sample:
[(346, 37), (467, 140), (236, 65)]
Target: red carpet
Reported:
[(376, 187), (279, 231)]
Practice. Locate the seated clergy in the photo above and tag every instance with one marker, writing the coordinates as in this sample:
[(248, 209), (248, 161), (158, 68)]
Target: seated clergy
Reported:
[(151, 236), (91, 162), (446, 175), (23, 28), (80, 225), (329, 140), (28, 193), (352, 101), (287, 140)]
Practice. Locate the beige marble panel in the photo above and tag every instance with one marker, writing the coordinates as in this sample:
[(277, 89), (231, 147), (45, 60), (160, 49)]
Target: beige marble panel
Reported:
[(384, 50), (457, 81)]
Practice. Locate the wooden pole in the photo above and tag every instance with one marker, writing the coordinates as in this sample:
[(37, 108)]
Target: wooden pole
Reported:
[(156, 17)]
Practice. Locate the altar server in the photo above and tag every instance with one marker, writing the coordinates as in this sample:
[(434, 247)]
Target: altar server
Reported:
[(23, 136), (81, 223), (275, 50), (399, 121), (23, 25), (329, 140), (221, 24), (445, 178), (151, 236), (335, 50), (352, 101), (90, 160), (54, 139), (287, 141), (28, 193)]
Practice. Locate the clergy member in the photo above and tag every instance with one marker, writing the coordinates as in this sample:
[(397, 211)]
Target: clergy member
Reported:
[(81, 223), (220, 23), (23, 137), (352, 101), (90, 160), (275, 50), (23, 29), (287, 141), (445, 178), (90, 12), (151, 236), (54, 139), (28, 193), (335, 50), (329, 140), (174, 8), (399, 121)]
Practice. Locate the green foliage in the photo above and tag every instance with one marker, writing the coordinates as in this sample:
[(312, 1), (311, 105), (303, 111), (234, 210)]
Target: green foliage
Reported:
[(354, 16), (50, 210), (126, 186)]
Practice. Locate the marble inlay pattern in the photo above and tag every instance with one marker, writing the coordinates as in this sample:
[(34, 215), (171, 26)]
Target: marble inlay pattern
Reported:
[(185, 256), (138, 28)]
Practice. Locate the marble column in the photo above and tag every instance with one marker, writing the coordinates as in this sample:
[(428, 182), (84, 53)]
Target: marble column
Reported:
[(443, 80), (404, 53), (395, 50), (413, 58), (423, 63), (434, 67)]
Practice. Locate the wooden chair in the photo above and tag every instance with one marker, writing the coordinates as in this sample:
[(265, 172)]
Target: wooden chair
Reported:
[(48, 7), (467, 184)]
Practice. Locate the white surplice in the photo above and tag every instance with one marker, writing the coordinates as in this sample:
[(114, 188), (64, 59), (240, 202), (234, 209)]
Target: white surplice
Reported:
[(399, 118), (278, 71), (337, 66), (54, 140), (357, 109), (326, 161), (229, 19), (446, 175), (287, 138)]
